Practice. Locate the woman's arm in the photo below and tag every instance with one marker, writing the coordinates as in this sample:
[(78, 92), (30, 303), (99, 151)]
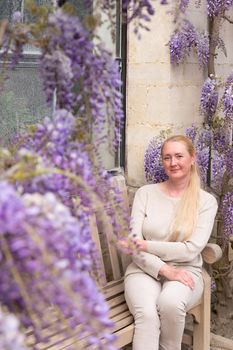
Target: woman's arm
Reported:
[(149, 263), (177, 274), (186, 251)]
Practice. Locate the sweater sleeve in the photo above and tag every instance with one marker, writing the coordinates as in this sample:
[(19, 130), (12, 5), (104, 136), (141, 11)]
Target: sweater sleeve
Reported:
[(186, 251), (150, 263)]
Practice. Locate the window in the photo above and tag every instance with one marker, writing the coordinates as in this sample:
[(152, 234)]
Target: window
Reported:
[(22, 101)]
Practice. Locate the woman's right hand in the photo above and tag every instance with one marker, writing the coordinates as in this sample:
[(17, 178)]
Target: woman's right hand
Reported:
[(177, 274)]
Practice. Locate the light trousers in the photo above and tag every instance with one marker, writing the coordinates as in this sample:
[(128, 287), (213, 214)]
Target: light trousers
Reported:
[(159, 309)]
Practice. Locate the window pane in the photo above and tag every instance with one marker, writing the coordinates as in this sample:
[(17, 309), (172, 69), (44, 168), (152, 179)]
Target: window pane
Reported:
[(79, 5), (26, 15), (22, 101), (8, 7)]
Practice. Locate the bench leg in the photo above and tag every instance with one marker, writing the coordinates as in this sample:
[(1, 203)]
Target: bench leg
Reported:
[(201, 330)]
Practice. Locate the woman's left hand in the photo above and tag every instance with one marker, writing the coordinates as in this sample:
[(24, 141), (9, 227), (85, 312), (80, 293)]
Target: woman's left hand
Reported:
[(141, 244)]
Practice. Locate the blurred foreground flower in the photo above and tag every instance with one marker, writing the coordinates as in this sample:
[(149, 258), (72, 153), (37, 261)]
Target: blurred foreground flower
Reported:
[(46, 262), (11, 338)]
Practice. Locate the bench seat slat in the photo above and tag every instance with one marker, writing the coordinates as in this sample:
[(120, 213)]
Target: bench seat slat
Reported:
[(118, 310), (112, 284), (116, 300), (114, 291), (122, 322)]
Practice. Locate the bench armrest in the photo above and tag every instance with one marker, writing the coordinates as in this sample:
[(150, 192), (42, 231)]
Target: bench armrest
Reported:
[(211, 253)]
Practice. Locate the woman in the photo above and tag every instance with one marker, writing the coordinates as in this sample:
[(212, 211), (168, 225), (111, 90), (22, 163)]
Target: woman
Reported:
[(171, 223)]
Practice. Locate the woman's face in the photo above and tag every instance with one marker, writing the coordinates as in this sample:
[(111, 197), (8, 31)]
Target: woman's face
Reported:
[(177, 160)]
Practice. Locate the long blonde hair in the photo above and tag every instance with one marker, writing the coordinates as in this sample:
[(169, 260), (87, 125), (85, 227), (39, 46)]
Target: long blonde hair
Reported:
[(186, 213)]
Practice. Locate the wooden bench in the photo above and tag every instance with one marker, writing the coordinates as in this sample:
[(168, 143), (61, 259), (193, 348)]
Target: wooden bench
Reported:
[(113, 265)]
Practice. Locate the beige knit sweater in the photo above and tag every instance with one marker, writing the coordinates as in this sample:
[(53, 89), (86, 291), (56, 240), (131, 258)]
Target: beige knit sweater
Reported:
[(152, 213)]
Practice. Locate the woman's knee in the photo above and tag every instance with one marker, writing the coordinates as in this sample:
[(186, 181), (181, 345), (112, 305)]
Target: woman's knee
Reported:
[(171, 307), (145, 315)]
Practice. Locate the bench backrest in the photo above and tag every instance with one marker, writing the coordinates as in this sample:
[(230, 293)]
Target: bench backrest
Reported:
[(113, 263)]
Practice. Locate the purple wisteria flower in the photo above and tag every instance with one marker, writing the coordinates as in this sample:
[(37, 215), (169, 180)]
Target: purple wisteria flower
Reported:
[(142, 9), (218, 167), (203, 162), (228, 99), (229, 159), (16, 17), (154, 171), (222, 151), (11, 216), (190, 33), (14, 39), (84, 75), (56, 66), (209, 99), (217, 7), (202, 141), (202, 45), (49, 248), (227, 214), (177, 47), (191, 132), (182, 41), (220, 139), (183, 5), (53, 145), (220, 161), (60, 164)]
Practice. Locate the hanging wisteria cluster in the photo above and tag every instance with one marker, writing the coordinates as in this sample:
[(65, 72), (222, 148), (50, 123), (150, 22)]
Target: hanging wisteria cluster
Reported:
[(183, 4), (186, 36), (217, 7), (214, 154), (209, 99), (154, 171), (53, 146), (86, 78), (227, 213), (228, 99), (13, 41), (142, 9), (139, 9), (184, 40), (202, 140)]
